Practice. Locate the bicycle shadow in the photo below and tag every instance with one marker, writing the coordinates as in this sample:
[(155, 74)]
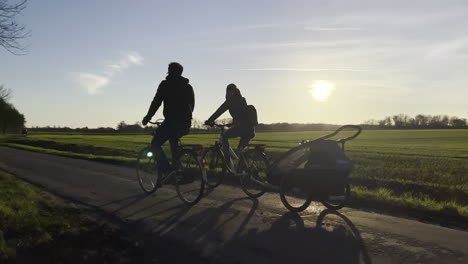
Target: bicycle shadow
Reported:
[(206, 229), (288, 240)]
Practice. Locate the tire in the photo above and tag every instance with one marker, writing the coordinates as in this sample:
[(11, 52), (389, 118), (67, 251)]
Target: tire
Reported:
[(257, 167), (147, 171), (216, 168), (338, 205), (293, 197), (189, 180)]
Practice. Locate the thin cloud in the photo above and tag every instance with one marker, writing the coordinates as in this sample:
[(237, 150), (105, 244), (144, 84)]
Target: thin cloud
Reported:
[(309, 28), (299, 44), (128, 60), (261, 26), (449, 49), (299, 69), (95, 83)]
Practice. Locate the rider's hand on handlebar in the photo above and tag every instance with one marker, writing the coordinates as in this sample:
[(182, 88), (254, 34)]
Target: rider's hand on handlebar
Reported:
[(145, 120), (209, 123)]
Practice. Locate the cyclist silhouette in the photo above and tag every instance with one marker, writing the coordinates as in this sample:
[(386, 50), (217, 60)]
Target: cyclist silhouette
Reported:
[(241, 126), (178, 97)]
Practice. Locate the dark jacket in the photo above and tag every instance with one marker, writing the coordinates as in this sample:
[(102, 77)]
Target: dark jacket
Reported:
[(179, 101), (236, 105)]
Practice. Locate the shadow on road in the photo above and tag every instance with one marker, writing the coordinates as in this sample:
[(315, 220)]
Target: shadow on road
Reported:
[(288, 240), (228, 235)]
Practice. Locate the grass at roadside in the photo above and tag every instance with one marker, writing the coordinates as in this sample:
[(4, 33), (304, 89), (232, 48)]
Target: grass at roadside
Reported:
[(36, 228), (411, 169), (33, 228)]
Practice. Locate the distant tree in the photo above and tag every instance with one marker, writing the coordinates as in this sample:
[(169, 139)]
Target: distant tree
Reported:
[(121, 125), (444, 121), (411, 122), (434, 121), (388, 121), (399, 120), (382, 123), (421, 120), (371, 122), (11, 120), (197, 124), (456, 122), (225, 121), (10, 31)]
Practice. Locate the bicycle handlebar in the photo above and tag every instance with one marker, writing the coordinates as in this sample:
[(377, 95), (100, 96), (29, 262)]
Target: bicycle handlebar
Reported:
[(158, 122), (358, 128), (222, 126)]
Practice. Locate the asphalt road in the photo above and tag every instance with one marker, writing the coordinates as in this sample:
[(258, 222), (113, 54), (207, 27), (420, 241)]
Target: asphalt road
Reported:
[(227, 227)]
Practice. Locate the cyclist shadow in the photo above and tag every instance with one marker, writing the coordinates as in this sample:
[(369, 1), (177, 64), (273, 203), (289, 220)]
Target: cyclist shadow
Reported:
[(207, 228), (289, 241)]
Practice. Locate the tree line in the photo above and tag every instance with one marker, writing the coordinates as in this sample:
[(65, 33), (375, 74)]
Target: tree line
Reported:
[(403, 121), (400, 121), (197, 127), (11, 120)]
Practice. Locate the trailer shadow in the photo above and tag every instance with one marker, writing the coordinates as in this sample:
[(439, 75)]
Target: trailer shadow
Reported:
[(226, 234), (288, 240)]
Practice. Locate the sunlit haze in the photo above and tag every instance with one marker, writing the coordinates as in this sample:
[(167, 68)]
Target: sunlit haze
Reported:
[(321, 90), (96, 63)]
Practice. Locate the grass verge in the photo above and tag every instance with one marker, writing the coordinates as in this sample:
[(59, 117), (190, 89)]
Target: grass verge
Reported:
[(35, 228), (421, 207), (119, 160)]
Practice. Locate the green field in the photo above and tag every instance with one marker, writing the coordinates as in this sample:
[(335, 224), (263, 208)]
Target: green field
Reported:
[(421, 169)]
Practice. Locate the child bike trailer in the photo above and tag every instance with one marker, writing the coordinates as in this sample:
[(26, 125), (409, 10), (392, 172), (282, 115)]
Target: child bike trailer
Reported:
[(314, 170)]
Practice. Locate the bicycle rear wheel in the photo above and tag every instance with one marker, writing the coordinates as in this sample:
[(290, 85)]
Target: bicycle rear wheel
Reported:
[(293, 196), (190, 183), (216, 168), (338, 204), (254, 176), (147, 171)]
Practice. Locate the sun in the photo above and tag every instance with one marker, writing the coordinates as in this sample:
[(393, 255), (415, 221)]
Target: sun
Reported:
[(321, 90)]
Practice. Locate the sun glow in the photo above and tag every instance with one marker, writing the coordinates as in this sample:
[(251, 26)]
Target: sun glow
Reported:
[(321, 90)]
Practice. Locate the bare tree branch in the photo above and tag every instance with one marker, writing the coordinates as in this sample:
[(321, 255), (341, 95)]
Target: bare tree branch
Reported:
[(10, 31), (5, 94)]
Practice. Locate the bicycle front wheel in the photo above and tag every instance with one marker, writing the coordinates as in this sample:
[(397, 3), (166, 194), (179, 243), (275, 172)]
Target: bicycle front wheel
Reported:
[(216, 167), (253, 177), (147, 170), (190, 183)]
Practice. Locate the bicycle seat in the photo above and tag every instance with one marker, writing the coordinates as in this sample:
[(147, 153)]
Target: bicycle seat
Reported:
[(195, 147), (257, 146)]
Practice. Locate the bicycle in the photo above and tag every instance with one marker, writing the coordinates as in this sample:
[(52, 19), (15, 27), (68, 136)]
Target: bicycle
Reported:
[(251, 164), (187, 172)]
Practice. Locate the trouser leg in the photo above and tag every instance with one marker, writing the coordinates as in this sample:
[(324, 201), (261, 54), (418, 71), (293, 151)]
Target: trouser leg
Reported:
[(177, 131), (247, 134), (161, 136), (174, 142), (233, 132)]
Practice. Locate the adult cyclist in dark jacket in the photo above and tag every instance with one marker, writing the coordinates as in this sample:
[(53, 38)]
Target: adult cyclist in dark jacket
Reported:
[(179, 102), (241, 127)]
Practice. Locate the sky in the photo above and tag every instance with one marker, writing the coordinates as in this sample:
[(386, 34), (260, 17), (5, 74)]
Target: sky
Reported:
[(96, 63)]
